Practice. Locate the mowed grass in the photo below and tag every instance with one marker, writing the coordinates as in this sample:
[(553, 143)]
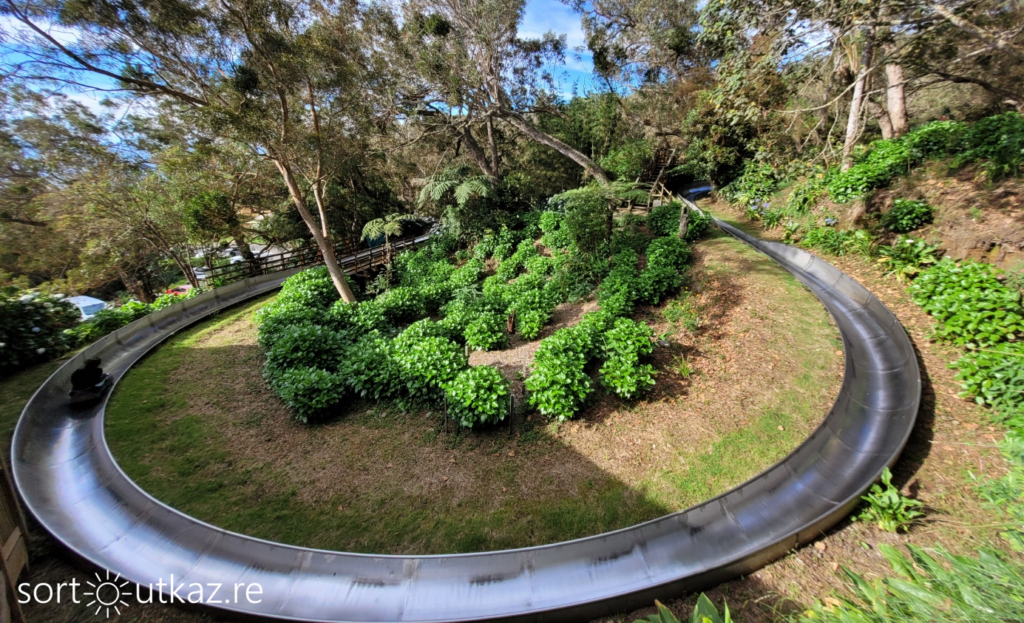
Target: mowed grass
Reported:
[(193, 426), (15, 392)]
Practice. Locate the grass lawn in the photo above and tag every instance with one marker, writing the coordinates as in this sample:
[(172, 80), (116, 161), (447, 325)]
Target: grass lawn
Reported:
[(195, 426)]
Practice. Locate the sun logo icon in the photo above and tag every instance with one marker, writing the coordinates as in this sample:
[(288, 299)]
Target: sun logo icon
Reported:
[(107, 594)]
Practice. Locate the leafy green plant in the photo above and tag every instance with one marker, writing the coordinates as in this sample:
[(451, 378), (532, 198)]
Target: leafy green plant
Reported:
[(683, 366), (930, 585), (558, 385), (478, 395), (906, 257), (996, 141), (889, 509), (666, 269), (34, 328), (757, 183), (971, 306), (862, 243), (303, 345), (427, 365), (370, 369), (993, 376), (310, 393), (703, 612), (624, 347), (621, 288), (827, 239), (487, 332), (311, 288), (907, 215), (663, 220), (628, 160)]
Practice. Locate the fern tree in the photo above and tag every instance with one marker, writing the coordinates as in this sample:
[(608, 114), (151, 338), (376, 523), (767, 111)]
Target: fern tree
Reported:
[(458, 182), (390, 226)]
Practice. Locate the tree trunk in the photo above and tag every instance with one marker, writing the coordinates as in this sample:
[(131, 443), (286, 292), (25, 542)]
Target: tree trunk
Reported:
[(856, 104), (881, 116), (476, 152), (896, 99), (322, 242), (136, 287), (543, 138), (684, 218)]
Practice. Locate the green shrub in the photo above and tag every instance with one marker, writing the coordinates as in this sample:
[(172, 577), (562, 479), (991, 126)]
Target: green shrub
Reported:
[(401, 303), (427, 365), (621, 288), (304, 345), (828, 240), (310, 393), (971, 307), (478, 395), (887, 508), (805, 193), (557, 385), (510, 267), (357, 317), (624, 346), (311, 288), (905, 258), (993, 376), (757, 183), (483, 249), (628, 161), (907, 215), (468, 274), (586, 217), (108, 320), (35, 328), (932, 585), (663, 220), (666, 269), (487, 331), (996, 141), (530, 322), (421, 329), (703, 612), (505, 243), (369, 368), (539, 265)]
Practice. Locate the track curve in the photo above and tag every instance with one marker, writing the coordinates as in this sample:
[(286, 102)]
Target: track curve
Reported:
[(71, 483)]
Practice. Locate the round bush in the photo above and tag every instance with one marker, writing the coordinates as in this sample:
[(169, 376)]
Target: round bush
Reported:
[(310, 393), (32, 329), (304, 345), (624, 345), (428, 364), (312, 288), (478, 395), (487, 332), (907, 215), (369, 368)]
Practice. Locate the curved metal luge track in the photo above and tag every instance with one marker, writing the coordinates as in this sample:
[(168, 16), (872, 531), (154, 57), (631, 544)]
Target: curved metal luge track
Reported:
[(73, 486)]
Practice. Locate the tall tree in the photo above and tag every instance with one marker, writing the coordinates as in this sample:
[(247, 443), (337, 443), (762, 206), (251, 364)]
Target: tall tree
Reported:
[(280, 77)]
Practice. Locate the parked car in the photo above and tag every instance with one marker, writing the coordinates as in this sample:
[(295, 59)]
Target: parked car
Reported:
[(183, 289), (87, 305)]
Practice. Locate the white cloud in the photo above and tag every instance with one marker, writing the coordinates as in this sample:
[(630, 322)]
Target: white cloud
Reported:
[(550, 15)]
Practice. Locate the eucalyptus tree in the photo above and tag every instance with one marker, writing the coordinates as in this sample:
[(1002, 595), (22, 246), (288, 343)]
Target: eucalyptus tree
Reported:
[(463, 63), (281, 77)]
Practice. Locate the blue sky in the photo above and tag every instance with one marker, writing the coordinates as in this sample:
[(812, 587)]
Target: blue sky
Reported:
[(551, 15)]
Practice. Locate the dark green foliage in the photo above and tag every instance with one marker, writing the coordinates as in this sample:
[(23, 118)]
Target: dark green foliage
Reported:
[(478, 395), (310, 392), (993, 376), (887, 508), (558, 385), (468, 274), (907, 215), (828, 240), (304, 345), (756, 184), (666, 269), (997, 142), (664, 221), (905, 257), (427, 365), (624, 347), (511, 266), (627, 162), (32, 329), (586, 217), (487, 331), (621, 288), (401, 303), (311, 288), (369, 368), (971, 307), (555, 236), (361, 317)]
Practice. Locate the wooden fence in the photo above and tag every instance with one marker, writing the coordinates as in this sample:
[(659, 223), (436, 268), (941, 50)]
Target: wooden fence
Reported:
[(353, 257), (14, 548)]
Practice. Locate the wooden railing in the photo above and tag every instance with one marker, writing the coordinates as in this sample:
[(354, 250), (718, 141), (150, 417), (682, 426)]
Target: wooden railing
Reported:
[(351, 258)]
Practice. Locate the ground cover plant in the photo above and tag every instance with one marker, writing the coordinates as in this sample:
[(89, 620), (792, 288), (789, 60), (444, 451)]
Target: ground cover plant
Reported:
[(320, 349)]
